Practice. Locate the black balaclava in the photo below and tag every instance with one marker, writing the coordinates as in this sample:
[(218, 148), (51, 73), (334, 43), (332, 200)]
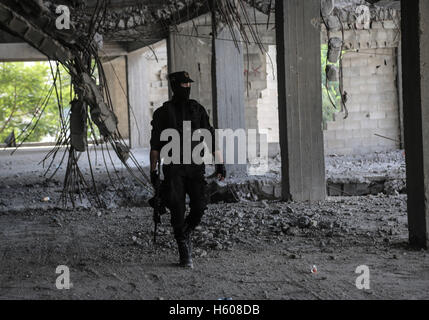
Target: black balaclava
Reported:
[(181, 94)]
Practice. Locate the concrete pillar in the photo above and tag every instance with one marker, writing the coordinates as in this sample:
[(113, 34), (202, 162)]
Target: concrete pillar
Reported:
[(415, 59), (300, 100), (116, 75), (138, 90), (219, 83), (229, 90), (187, 52)]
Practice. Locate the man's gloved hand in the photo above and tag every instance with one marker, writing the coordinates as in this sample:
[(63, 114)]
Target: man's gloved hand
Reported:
[(221, 171), (154, 178)]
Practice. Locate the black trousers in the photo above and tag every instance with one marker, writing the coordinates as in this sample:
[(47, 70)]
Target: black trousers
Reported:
[(182, 180)]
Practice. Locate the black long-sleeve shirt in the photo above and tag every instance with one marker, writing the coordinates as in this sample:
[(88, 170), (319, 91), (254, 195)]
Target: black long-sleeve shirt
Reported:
[(172, 115)]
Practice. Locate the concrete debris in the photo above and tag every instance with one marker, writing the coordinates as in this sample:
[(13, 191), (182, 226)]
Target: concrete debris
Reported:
[(304, 222), (334, 49), (359, 14), (379, 11), (327, 7), (334, 24), (377, 224), (292, 231), (363, 20), (371, 174), (332, 73)]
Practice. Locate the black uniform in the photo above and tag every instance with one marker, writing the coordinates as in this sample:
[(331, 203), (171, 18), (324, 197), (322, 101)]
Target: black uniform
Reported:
[(182, 179)]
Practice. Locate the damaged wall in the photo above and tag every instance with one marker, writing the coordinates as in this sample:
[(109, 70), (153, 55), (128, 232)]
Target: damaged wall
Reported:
[(370, 73), (370, 81)]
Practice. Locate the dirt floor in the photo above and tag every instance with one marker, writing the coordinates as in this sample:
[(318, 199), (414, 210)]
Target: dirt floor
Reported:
[(245, 250)]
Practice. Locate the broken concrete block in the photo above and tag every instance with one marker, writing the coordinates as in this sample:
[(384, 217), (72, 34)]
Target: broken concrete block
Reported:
[(292, 231), (101, 114), (334, 52), (267, 190), (335, 189), (304, 222), (278, 191), (363, 20), (333, 23), (327, 7), (331, 73)]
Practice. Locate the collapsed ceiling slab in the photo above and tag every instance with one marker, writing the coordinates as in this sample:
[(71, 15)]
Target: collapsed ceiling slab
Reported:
[(133, 24), (139, 23)]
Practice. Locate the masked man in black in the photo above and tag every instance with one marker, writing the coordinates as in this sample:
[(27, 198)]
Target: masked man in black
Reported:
[(180, 178)]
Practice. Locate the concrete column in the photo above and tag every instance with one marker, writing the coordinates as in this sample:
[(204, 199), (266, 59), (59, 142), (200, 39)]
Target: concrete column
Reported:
[(187, 52), (116, 75), (300, 100), (229, 90), (415, 59), (219, 83), (138, 90)]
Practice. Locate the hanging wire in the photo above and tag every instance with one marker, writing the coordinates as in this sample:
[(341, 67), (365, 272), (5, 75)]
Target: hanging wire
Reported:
[(234, 16)]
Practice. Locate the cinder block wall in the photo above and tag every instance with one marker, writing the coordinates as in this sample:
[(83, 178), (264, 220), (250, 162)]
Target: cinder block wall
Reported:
[(370, 76), (370, 81)]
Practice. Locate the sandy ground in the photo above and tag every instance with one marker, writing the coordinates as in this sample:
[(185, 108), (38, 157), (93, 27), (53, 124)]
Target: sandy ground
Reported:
[(246, 250)]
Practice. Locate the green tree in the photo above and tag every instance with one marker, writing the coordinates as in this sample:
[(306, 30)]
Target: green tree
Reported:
[(24, 88)]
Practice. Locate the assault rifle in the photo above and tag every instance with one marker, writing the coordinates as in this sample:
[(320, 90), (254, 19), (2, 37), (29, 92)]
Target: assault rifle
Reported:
[(157, 205)]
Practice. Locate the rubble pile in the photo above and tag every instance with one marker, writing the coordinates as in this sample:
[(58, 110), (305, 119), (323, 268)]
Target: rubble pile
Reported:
[(227, 225), (385, 171)]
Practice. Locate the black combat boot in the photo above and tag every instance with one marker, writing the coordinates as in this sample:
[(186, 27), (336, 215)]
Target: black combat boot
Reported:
[(185, 255)]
